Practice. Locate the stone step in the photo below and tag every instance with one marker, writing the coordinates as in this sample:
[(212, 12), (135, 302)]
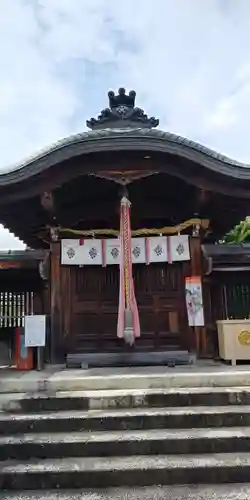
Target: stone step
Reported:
[(125, 443), (125, 471), (239, 491), (83, 400), (125, 419), (172, 357), (120, 379)]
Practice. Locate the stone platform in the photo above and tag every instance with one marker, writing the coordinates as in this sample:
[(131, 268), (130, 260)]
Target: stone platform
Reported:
[(57, 378)]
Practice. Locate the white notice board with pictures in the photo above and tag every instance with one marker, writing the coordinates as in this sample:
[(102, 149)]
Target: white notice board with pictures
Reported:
[(35, 330)]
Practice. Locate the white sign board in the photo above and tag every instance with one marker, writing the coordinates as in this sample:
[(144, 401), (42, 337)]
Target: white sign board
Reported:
[(35, 330)]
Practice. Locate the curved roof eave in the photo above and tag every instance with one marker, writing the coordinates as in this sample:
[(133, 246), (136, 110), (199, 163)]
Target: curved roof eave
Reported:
[(124, 139)]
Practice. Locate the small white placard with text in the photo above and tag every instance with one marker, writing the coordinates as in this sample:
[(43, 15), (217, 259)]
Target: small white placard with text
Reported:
[(35, 330)]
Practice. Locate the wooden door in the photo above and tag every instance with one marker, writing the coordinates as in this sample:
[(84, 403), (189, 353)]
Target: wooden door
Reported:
[(94, 308), (160, 296)]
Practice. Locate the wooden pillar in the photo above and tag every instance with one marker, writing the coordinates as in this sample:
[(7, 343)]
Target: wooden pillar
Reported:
[(66, 304), (57, 351), (60, 305), (198, 333)]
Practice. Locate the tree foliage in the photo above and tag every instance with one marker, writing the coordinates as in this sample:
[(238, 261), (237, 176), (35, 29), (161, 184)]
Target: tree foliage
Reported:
[(239, 233)]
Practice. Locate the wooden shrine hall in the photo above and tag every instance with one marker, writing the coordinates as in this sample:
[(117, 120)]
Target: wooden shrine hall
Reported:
[(122, 213)]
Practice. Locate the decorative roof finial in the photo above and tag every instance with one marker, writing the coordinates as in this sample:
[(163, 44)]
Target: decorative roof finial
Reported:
[(121, 99), (122, 113)]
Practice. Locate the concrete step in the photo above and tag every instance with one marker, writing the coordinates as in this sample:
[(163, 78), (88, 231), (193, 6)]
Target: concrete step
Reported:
[(84, 400), (239, 491), (125, 443), (125, 471), (125, 419)]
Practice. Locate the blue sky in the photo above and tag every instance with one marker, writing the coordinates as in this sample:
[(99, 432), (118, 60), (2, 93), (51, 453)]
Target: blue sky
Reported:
[(188, 60)]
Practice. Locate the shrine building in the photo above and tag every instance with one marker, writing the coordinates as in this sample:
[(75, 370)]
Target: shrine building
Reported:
[(124, 214)]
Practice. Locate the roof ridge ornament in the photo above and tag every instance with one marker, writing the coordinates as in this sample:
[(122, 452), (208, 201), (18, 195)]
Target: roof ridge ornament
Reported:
[(122, 113)]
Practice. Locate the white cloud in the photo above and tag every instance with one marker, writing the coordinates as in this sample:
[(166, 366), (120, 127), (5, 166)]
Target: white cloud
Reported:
[(187, 60), (224, 115)]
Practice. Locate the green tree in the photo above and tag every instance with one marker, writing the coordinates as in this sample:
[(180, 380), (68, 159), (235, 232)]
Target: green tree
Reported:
[(239, 233)]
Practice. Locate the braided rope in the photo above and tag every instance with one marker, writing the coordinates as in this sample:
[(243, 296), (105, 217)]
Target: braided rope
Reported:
[(126, 255), (204, 224)]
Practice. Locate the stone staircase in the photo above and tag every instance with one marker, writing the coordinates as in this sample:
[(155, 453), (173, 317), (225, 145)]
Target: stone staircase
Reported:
[(121, 438)]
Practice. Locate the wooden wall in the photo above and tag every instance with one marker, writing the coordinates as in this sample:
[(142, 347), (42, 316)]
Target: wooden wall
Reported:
[(84, 307)]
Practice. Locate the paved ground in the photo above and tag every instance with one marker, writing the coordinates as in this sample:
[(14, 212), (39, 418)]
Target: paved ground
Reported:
[(49, 370), (229, 492)]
